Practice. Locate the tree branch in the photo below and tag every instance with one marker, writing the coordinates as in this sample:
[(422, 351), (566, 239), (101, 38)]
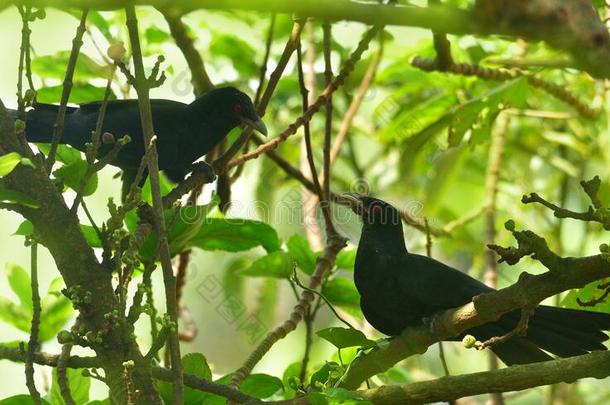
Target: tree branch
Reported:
[(160, 373), (583, 34), (35, 329), (514, 378), (58, 129), (142, 84)]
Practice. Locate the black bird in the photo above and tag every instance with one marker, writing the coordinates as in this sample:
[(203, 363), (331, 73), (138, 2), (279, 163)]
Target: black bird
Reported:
[(185, 132), (399, 289)]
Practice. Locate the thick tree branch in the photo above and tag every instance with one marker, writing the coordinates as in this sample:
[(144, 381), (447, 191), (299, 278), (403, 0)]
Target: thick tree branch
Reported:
[(87, 281), (581, 33), (515, 378), (160, 373)]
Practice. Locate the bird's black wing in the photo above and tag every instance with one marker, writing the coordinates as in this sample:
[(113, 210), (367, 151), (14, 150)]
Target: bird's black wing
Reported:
[(160, 104), (435, 284)]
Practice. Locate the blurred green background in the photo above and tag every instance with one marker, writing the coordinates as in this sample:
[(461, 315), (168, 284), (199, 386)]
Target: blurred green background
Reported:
[(389, 155)]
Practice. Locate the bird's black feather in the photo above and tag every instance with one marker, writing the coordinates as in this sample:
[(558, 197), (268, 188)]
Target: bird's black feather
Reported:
[(399, 289), (185, 132)]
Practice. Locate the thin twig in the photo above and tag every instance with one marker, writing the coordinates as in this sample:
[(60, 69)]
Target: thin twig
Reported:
[(492, 176), (199, 76), (306, 130), (442, 46), (441, 349), (315, 107), (325, 262), (58, 128), (221, 164), (323, 298), (307, 85), (62, 374), (559, 92), (142, 85), (519, 330), (356, 102), (263, 71), (336, 198), (35, 326), (95, 142), (328, 128), (25, 12)]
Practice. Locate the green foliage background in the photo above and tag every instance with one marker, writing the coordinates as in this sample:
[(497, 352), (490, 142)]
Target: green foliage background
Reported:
[(421, 139)]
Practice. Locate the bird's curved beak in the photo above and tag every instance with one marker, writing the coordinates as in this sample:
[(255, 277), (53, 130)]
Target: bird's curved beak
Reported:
[(257, 124), (352, 200)]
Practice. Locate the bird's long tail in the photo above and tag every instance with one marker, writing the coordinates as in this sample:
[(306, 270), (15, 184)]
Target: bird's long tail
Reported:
[(559, 331)]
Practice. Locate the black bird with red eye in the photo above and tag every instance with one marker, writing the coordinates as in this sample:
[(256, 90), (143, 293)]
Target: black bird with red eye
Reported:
[(185, 132), (399, 289)]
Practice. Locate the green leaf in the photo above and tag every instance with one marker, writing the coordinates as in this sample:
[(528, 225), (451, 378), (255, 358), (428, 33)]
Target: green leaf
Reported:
[(54, 67), (342, 293), (299, 249), (345, 337), (241, 54), (56, 311), (79, 387), (343, 396), (291, 380), (154, 35), (20, 283), (462, 120), (91, 236), (24, 229), (17, 197), (22, 399), (267, 299), (186, 225), (346, 259), (72, 174), (414, 120), (8, 162), (98, 21), (15, 315), (81, 93), (261, 386), (324, 374), (276, 264), (235, 235), (398, 375), (587, 293), (195, 364), (65, 153)]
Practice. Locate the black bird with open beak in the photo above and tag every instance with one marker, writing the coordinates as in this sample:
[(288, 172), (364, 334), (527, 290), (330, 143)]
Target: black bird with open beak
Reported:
[(185, 132), (399, 289)]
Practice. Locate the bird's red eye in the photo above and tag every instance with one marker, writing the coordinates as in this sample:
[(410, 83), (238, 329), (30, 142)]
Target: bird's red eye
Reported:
[(376, 208), (237, 108)]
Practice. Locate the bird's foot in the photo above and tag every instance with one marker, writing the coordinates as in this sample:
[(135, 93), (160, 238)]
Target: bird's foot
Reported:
[(203, 167)]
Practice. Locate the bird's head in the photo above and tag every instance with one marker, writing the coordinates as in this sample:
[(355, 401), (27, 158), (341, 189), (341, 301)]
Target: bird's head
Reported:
[(235, 106), (373, 211)]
